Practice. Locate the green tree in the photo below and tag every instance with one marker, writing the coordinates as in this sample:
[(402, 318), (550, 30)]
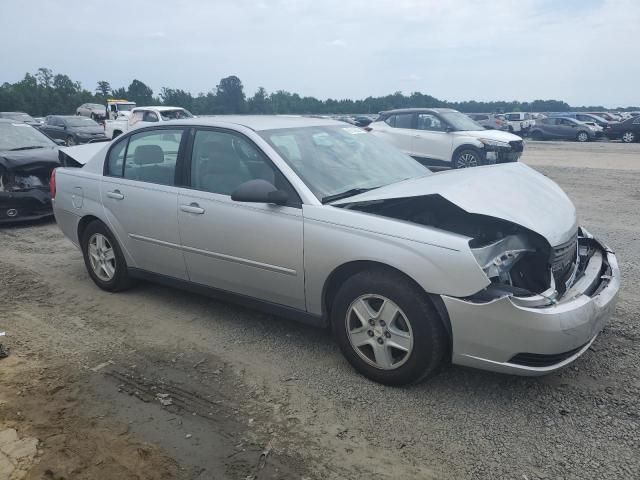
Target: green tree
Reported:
[(230, 95), (140, 93), (260, 102), (103, 88)]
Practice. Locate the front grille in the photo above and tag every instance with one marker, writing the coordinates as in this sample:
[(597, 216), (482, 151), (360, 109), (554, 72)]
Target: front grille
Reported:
[(543, 360), (563, 259)]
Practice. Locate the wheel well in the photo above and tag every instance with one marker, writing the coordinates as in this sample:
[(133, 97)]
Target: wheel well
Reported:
[(466, 147), (343, 272), (82, 225)]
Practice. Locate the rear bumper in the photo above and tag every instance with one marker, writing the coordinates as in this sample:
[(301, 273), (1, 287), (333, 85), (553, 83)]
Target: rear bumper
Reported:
[(504, 336)]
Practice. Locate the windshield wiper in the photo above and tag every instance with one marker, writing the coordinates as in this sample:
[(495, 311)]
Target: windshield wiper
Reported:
[(348, 193), (25, 148)]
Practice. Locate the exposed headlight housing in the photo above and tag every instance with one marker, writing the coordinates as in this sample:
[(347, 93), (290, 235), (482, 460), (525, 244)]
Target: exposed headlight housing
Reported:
[(497, 258), (493, 143)]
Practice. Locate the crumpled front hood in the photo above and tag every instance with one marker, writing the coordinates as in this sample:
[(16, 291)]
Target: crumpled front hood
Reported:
[(512, 192), (30, 159)]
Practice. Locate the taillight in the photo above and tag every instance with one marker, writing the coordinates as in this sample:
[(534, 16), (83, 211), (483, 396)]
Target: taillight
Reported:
[(52, 183)]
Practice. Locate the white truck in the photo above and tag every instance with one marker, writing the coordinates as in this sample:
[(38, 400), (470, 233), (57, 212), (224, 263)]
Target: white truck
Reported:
[(143, 116), (519, 122), (117, 108)]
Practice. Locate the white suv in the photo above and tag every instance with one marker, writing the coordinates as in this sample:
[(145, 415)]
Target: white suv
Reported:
[(445, 138)]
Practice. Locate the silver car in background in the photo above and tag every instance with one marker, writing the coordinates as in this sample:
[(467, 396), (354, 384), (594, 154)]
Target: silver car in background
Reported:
[(319, 221), (94, 111)]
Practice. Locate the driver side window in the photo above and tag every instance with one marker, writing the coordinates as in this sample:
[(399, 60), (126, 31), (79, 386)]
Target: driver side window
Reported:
[(221, 162)]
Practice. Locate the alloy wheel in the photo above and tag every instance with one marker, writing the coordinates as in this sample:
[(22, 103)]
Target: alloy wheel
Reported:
[(102, 257), (467, 160), (379, 331), (628, 137), (583, 137), (70, 141)]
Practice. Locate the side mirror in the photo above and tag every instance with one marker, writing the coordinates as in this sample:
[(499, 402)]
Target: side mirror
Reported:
[(259, 191), (448, 128)]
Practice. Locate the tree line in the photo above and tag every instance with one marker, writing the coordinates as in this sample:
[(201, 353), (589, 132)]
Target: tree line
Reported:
[(46, 92)]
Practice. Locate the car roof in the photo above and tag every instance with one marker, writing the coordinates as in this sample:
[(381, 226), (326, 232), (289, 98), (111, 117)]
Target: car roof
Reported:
[(260, 122), (418, 110), (160, 108)]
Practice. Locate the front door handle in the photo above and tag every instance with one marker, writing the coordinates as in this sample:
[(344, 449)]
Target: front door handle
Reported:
[(192, 208), (115, 194)]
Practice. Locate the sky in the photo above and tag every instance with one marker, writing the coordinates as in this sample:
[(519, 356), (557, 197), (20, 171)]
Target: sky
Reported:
[(585, 52)]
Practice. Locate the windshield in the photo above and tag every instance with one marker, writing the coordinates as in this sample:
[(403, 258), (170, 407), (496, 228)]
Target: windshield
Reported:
[(21, 117), (335, 159), (20, 135), (175, 114), (459, 121), (125, 107), (80, 122)]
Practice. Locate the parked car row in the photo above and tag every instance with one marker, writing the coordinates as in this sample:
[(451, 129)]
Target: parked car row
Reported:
[(580, 126)]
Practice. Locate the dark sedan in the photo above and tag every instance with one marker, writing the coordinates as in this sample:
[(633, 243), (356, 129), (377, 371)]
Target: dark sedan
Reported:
[(627, 131), (73, 129), (27, 158)]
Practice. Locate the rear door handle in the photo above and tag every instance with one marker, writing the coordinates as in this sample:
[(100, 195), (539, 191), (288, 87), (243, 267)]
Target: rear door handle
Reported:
[(115, 194), (192, 208)]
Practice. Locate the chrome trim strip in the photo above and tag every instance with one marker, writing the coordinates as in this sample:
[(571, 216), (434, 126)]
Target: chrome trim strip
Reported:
[(220, 256)]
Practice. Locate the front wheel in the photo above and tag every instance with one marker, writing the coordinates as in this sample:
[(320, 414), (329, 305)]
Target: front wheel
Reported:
[(536, 135), (583, 137), (387, 328), (629, 137), (466, 159), (103, 258)]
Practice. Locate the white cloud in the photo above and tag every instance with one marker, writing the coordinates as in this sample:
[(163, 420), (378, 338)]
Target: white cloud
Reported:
[(581, 51)]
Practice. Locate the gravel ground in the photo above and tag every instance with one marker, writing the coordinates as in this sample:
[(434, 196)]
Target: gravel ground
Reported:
[(255, 396)]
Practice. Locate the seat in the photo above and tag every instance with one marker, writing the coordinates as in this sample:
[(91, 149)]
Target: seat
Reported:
[(219, 170)]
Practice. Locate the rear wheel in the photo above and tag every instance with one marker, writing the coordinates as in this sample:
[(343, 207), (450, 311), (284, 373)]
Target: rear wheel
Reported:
[(103, 258), (466, 158), (583, 137), (629, 136), (387, 328)]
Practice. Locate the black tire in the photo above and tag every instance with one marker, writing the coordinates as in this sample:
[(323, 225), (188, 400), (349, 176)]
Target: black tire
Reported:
[(430, 339), (629, 136), (583, 136), (537, 135), (461, 158), (93, 117), (70, 141), (121, 280)]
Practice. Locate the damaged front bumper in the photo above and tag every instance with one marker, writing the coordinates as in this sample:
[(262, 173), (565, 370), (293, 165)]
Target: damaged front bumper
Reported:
[(25, 206), (531, 336), (499, 154)]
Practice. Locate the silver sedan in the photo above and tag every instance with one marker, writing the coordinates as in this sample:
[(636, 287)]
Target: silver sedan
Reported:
[(319, 221)]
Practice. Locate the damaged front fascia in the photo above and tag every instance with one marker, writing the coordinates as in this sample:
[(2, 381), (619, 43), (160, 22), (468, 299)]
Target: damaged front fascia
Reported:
[(531, 278)]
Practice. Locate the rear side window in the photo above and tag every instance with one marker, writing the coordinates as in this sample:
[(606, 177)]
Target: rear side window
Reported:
[(401, 120), (151, 156)]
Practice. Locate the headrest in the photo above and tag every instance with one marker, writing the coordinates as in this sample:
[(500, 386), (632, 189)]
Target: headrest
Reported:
[(148, 155)]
